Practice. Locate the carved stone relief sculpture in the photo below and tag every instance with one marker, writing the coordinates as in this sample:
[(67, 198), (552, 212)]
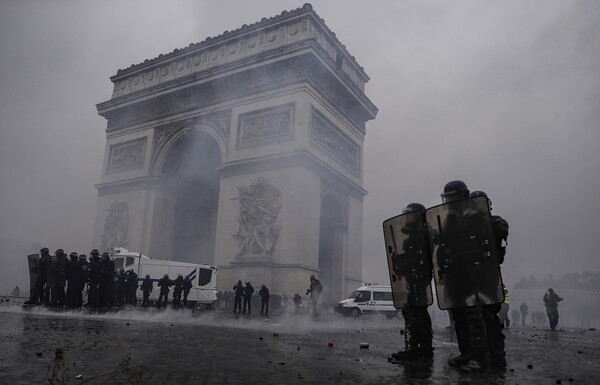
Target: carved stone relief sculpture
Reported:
[(266, 126), (128, 155), (336, 143), (116, 226), (258, 231)]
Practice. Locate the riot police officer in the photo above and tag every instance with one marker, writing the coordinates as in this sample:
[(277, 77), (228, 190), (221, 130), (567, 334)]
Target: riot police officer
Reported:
[(36, 295), (493, 325), (119, 287), (95, 276), (164, 283), (177, 289), (81, 274), (56, 278), (411, 264), (70, 268), (131, 285), (187, 286), (146, 287), (467, 273), (107, 273)]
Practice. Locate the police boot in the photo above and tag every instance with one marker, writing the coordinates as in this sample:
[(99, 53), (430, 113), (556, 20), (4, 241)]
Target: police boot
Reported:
[(426, 353), (405, 354), (474, 365), (497, 359), (459, 360)]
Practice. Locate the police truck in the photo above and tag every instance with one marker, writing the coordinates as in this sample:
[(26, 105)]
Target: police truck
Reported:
[(203, 277)]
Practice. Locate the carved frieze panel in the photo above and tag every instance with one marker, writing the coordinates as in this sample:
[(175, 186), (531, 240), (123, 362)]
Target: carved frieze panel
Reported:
[(239, 85), (258, 231), (329, 137), (116, 226), (127, 155), (214, 56), (265, 126)]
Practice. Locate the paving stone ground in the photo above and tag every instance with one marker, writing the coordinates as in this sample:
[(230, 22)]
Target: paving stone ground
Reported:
[(135, 346)]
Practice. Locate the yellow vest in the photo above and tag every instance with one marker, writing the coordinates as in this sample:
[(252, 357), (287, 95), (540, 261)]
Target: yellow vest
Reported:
[(506, 299)]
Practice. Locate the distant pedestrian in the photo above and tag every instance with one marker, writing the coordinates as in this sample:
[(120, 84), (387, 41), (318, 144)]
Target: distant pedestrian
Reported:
[(146, 287), (238, 288), (297, 300), (314, 291), (551, 300), (15, 292), (248, 291), (515, 316), (524, 310), (264, 297)]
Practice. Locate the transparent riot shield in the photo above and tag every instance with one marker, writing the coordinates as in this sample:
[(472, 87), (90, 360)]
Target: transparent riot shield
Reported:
[(33, 261), (408, 259), (465, 262)]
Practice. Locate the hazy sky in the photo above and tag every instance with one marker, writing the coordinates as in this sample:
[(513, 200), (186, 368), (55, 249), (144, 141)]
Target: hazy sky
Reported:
[(504, 95)]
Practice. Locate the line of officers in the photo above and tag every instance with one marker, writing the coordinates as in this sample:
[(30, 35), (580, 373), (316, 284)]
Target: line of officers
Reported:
[(59, 280), (478, 328)]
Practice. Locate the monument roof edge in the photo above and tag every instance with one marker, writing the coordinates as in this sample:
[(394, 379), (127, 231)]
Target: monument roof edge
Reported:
[(306, 9)]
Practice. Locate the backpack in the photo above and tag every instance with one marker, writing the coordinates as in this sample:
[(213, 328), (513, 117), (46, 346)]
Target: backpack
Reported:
[(500, 227)]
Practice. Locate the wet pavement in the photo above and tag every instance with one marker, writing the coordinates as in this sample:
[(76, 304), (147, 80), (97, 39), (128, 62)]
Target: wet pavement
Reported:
[(137, 346)]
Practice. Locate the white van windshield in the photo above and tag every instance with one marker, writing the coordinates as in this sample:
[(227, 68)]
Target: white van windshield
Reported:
[(363, 296)]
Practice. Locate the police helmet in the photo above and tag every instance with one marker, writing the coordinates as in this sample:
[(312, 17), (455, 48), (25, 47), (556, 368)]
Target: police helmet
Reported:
[(94, 252), (413, 207), (478, 193), (454, 191), (147, 276), (82, 257), (44, 250), (59, 252), (166, 276), (179, 276)]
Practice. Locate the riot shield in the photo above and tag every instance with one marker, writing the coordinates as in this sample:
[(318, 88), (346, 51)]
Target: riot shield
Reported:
[(409, 262), (465, 260), (34, 264), (52, 271)]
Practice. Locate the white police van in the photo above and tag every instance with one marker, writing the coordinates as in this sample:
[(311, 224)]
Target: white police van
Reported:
[(369, 299), (203, 277)]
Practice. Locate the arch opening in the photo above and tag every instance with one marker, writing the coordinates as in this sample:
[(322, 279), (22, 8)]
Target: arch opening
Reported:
[(190, 173)]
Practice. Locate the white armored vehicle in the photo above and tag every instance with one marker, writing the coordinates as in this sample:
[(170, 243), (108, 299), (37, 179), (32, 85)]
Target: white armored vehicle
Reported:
[(203, 277)]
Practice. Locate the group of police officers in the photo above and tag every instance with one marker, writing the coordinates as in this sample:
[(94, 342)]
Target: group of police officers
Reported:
[(461, 245), (60, 281)]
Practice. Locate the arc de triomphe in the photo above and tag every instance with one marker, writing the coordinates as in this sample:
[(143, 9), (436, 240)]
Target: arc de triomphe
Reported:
[(243, 151)]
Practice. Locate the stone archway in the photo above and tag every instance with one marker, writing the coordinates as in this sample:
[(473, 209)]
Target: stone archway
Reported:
[(331, 249), (189, 172)]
